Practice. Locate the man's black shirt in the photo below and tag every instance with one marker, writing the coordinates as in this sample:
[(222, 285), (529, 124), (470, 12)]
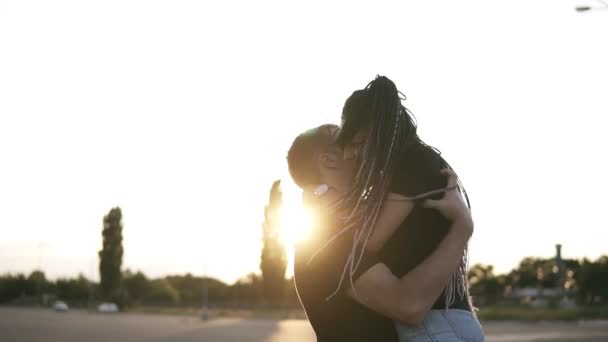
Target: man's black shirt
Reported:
[(343, 319)]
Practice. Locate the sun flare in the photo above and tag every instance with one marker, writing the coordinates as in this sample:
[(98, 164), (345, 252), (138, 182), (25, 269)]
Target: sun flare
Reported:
[(296, 220)]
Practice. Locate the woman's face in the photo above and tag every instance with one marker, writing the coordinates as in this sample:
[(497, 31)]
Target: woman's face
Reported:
[(353, 148)]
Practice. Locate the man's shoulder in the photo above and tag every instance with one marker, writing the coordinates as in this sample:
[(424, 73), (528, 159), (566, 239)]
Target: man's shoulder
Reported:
[(315, 258)]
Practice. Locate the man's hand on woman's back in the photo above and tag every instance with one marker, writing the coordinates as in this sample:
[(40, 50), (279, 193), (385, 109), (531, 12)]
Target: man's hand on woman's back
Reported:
[(452, 205)]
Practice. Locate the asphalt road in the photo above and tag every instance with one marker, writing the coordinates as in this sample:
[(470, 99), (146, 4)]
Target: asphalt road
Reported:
[(45, 325)]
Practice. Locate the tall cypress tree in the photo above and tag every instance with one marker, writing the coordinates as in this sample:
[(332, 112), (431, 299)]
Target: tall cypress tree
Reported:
[(110, 256), (274, 258)]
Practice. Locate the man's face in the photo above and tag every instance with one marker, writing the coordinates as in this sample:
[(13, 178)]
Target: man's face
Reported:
[(342, 170)]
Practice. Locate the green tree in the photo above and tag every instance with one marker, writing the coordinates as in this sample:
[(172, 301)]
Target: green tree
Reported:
[(73, 289), (592, 280), (190, 289), (274, 258), (529, 273), (110, 256), (13, 287), (40, 284), (543, 273), (136, 285), (486, 288), (248, 291), (160, 291), (38, 278)]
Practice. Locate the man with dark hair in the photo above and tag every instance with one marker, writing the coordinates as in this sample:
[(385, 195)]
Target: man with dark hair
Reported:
[(303, 154), (366, 310)]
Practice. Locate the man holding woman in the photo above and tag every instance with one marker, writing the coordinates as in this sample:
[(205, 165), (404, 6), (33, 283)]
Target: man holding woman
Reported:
[(389, 260)]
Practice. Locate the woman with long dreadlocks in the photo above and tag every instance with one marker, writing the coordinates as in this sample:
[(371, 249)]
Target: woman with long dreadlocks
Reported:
[(381, 135), (394, 176)]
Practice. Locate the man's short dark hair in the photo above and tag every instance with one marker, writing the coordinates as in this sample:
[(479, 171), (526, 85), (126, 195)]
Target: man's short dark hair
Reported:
[(303, 154)]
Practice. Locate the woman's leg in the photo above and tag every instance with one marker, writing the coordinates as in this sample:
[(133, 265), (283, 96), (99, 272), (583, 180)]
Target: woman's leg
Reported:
[(443, 326), (464, 324)]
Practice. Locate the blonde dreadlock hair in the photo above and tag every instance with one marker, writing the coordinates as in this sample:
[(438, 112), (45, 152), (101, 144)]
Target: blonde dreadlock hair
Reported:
[(377, 111)]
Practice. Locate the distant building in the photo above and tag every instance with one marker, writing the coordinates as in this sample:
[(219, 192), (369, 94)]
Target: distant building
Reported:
[(539, 296)]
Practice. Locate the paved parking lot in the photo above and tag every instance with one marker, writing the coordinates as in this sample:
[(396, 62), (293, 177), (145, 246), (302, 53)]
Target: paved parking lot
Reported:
[(45, 325)]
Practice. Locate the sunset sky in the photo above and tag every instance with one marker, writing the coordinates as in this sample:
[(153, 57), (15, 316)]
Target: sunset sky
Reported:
[(181, 113)]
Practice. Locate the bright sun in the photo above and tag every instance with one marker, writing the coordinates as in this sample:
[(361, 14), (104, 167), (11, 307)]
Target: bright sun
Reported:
[(296, 221)]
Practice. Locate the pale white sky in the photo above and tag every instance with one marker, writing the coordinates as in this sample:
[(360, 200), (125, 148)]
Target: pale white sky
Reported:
[(181, 114)]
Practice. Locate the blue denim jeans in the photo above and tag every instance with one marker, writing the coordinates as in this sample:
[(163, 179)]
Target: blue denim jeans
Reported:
[(451, 325)]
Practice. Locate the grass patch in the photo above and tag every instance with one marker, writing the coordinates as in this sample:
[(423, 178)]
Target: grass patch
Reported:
[(522, 313), (490, 313), (278, 314)]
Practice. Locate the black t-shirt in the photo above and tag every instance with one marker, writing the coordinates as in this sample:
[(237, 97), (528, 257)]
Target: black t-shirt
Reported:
[(422, 231), (343, 319), (339, 318)]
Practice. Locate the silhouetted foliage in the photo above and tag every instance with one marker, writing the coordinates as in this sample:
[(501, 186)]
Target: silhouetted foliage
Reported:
[(161, 292), (136, 286), (274, 258), (542, 273), (248, 291), (190, 289), (590, 278), (15, 286), (19, 289), (75, 289), (110, 256), (593, 281), (486, 288), (37, 279)]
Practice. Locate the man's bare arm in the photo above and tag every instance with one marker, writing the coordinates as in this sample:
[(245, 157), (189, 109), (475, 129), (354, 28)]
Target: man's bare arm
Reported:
[(410, 297)]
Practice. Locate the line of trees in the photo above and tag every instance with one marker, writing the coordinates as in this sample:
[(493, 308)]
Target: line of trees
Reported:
[(585, 281), (127, 288), (139, 290)]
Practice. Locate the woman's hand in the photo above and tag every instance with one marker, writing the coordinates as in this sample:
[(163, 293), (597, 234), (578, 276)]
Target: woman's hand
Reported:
[(452, 205)]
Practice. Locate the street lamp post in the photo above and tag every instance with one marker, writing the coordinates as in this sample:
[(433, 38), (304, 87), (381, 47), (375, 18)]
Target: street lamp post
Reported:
[(205, 299), (604, 5)]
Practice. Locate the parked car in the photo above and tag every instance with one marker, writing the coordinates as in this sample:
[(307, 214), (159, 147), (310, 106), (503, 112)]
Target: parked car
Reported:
[(60, 306), (107, 307)]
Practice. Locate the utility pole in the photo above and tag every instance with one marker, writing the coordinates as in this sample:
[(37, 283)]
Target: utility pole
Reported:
[(205, 297), (559, 262), (90, 299)]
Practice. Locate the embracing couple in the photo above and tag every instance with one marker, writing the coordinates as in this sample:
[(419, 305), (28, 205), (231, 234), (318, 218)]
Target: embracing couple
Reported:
[(387, 257)]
